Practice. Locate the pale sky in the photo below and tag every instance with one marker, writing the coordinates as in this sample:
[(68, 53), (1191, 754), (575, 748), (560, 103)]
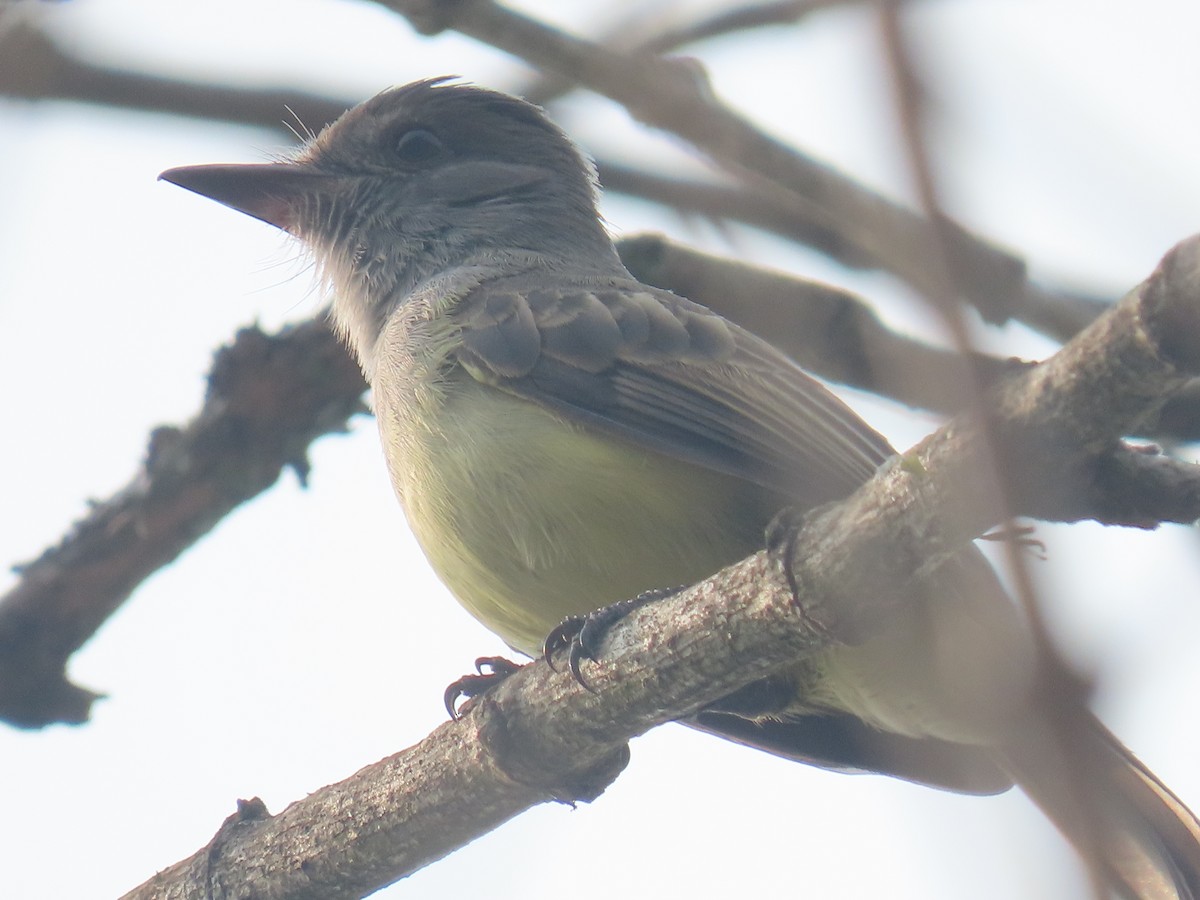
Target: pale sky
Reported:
[(305, 637)]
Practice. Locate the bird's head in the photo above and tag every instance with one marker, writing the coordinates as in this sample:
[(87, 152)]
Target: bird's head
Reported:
[(417, 180)]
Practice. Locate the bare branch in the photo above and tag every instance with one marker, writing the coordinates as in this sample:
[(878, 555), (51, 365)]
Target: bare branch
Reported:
[(1054, 312), (1060, 313), (1056, 424), (651, 38), (1134, 487), (33, 67), (767, 210), (829, 331), (740, 18), (837, 335), (271, 396), (268, 399), (541, 736), (672, 95)]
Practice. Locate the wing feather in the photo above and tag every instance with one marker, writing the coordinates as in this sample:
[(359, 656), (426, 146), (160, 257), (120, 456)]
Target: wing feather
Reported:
[(671, 376)]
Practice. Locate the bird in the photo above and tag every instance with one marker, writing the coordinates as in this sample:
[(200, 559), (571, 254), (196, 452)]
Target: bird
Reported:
[(562, 437)]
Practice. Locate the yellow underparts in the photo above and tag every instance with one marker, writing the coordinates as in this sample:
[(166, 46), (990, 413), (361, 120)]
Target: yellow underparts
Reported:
[(529, 518)]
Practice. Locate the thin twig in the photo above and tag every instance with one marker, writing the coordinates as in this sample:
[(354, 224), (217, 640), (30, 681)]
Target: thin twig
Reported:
[(649, 37)]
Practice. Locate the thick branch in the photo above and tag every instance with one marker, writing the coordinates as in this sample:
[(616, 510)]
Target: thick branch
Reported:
[(770, 211), (1058, 425), (542, 736), (1056, 313), (538, 737), (837, 335), (268, 399)]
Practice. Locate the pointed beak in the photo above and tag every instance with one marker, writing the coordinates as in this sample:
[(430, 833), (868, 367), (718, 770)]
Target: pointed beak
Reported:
[(272, 192)]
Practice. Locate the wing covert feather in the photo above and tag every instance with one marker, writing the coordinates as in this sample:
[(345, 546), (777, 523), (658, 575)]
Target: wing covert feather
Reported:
[(671, 376)]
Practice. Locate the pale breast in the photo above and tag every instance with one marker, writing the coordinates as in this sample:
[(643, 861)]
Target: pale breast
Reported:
[(529, 518)]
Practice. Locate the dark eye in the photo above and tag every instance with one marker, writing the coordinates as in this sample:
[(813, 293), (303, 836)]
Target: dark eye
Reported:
[(417, 145)]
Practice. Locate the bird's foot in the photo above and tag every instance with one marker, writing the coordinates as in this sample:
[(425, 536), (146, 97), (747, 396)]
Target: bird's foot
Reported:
[(780, 540), (491, 670), (581, 636)]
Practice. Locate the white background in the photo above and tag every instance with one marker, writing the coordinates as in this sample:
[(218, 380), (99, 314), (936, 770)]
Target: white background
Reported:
[(305, 637)]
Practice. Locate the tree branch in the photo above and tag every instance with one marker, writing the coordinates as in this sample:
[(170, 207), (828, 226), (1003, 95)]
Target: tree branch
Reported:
[(659, 39), (828, 331), (1057, 423), (837, 335), (672, 95), (542, 736), (268, 399), (34, 67)]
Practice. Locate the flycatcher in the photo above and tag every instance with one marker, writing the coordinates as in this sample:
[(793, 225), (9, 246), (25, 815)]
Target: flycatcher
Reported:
[(563, 437)]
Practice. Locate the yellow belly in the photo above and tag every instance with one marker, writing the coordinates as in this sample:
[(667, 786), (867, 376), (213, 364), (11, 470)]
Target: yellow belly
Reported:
[(528, 518)]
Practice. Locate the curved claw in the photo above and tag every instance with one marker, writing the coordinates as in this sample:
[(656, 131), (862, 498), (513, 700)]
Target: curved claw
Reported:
[(454, 691), (582, 636), (578, 654), (576, 635), (561, 638), (470, 686)]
